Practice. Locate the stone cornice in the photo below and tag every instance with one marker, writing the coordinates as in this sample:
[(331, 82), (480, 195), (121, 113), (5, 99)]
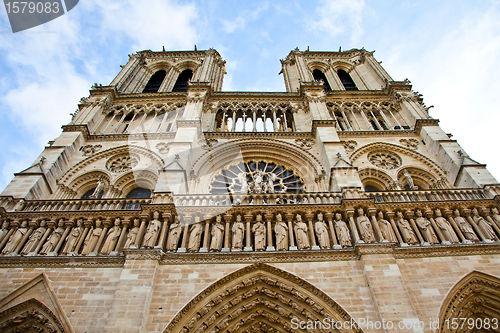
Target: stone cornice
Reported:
[(61, 262), (446, 250), (257, 135)]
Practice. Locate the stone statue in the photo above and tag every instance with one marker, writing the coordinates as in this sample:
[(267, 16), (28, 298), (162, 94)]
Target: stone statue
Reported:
[(258, 182), (365, 227), (281, 231), (301, 233), (5, 230), (386, 228), (409, 180), (92, 238), (51, 242), (98, 189), (495, 215), (322, 232), (242, 177), (342, 231), (132, 234), (271, 177), (195, 235), (465, 227), (406, 230), (426, 228), (152, 231), (446, 228), (112, 238), (72, 238), (485, 225), (35, 237), (238, 232), (15, 238), (217, 235), (174, 234), (260, 234)]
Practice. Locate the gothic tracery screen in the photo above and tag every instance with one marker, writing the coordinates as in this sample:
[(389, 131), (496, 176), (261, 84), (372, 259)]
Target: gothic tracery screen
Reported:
[(257, 177)]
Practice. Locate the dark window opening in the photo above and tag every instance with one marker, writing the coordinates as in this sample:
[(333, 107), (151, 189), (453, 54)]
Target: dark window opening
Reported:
[(89, 193), (182, 80), (371, 189), (129, 117), (346, 80), (139, 193), (319, 76), (155, 82)]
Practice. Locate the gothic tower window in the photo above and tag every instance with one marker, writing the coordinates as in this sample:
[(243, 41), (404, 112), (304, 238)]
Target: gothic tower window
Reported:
[(182, 80), (155, 82), (139, 193), (320, 76), (346, 80)]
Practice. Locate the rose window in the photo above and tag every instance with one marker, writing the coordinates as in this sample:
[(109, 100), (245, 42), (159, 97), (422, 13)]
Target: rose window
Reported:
[(122, 163), (257, 177), (385, 160)]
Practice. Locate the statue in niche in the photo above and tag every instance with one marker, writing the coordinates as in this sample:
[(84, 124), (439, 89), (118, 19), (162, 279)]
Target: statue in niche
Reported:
[(258, 182), (15, 238), (35, 237), (217, 235), (112, 238), (195, 235), (386, 228), (445, 227), (465, 227), (342, 231), (301, 233), (92, 238), (406, 230), (322, 232), (281, 231), (495, 215), (409, 180), (242, 177), (260, 233), (152, 231), (132, 234), (4, 231), (99, 188), (365, 227), (238, 232), (485, 225), (72, 238), (271, 178), (55, 236), (426, 228), (174, 234)]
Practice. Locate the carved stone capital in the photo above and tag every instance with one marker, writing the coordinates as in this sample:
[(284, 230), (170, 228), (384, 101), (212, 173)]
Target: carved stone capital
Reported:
[(70, 223), (390, 215), (88, 223), (248, 218), (429, 213), (410, 214), (268, 217), (349, 213), (329, 216), (466, 212), (371, 212)]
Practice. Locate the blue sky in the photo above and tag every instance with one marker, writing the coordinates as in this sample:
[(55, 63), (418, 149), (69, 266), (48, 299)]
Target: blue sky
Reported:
[(450, 50)]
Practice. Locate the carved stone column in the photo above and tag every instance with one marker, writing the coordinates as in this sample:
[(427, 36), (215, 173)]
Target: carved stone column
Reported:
[(32, 226), (163, 235), (372, 212), (429, 214), (50, 226), (12, 225), (88, 225), (289, 218), (448, 213), (248, 244), (390, 216), (329, 219), (69, 226), (142, 230), (187, 221), (479, 232), (486, 213), (206, 233), (349, 213), (309, 218), (227, 218), (269, 218), (409, 215), (121, 240)]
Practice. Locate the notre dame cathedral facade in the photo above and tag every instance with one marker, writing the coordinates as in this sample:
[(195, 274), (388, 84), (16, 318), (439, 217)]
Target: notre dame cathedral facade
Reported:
[(168, 205)]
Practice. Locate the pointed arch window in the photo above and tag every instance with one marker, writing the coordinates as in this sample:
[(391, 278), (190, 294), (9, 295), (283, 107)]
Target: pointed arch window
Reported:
[(182, 80), (346, 80), (155, 82), (139, 193), (320, 76)]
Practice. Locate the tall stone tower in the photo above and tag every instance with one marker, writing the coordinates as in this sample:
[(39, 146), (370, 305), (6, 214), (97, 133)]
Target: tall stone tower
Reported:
[(168, 205)]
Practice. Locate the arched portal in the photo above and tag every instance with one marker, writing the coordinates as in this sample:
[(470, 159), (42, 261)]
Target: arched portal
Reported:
[(475, 296), (260, 298)]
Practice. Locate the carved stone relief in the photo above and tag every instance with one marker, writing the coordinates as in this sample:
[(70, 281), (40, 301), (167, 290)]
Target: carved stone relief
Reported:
[(119, 164), (385, 160)]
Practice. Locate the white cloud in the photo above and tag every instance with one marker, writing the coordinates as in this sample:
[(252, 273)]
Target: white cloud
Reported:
[(338, 17), (241, 21)]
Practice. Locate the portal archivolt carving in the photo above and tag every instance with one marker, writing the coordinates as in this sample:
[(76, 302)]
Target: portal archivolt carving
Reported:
[(256, 298), (30, 316)]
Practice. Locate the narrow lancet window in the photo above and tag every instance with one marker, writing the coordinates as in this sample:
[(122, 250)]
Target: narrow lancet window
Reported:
[(182, 80), (155, 82), (346, 80), (320, 76)]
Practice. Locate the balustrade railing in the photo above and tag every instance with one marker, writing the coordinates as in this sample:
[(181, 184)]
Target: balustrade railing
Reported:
[(81, 204)]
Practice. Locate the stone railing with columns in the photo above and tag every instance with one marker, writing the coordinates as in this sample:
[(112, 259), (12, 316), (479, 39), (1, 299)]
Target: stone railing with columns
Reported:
[(72, 204)]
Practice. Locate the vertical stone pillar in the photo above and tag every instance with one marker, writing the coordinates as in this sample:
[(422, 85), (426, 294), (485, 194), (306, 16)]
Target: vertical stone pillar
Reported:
[(50, 226), (479, 232), (309, 218), (429, 214), (88, 225), (372, 212), (329, 219), (163, 234), (349, 213), (12, 226), (142, 230), (269, 218), (448, 213), (227, 218), (187, 222), (123, 234), (106, 224), (69, 225), (390, 216), (486, 213), (206, 233), (32, 226), (289, 218), (248, 244), (416, 230)]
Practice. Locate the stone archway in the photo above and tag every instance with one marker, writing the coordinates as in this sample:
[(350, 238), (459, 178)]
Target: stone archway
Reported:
[(475, 296), (260, 298)]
